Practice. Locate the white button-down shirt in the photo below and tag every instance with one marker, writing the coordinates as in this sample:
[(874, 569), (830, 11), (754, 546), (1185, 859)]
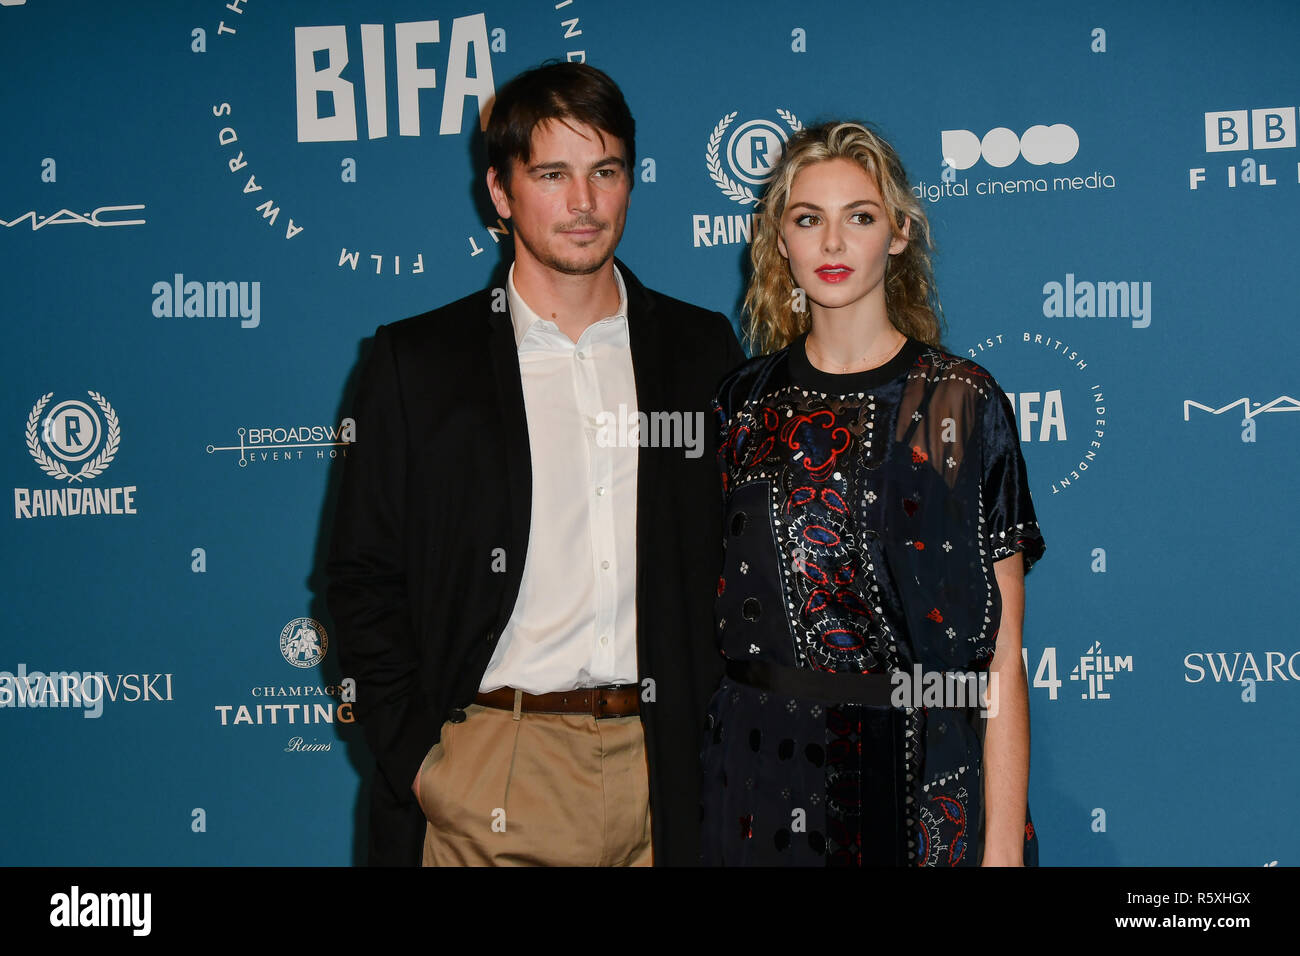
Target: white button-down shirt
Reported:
[(574, 621)]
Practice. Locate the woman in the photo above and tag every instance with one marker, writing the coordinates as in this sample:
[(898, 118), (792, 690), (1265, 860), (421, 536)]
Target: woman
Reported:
[(878, 526)]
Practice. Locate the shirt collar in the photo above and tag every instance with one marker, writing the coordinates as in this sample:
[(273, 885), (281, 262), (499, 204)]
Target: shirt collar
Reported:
[(523, 318)]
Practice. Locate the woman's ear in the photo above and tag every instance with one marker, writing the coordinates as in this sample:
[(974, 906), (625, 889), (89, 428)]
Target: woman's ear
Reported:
[(899, 243)]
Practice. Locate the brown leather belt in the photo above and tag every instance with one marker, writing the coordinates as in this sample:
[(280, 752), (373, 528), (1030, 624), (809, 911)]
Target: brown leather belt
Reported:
[(618, 700)]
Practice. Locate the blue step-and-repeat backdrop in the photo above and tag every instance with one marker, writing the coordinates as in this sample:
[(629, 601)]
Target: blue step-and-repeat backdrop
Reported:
[(206, 207)]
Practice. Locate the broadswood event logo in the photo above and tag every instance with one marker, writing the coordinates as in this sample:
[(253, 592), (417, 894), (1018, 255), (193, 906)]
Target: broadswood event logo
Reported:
[(303, 642), (73, 441), (291, 442), (750, 150), (361, 86)]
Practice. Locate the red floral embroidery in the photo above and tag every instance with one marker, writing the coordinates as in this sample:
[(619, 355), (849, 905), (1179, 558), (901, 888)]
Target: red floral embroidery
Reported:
[(935, 616)]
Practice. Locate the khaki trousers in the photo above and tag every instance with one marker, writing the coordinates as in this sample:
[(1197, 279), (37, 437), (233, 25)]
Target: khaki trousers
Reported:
[(501, 789)]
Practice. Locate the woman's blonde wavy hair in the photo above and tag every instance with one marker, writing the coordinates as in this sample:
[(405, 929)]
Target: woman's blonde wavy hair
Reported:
[(910, 294)]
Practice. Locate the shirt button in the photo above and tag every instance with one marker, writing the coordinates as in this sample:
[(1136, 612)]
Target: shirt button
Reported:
[(582, 355), (604, 565), (600, 489), (604, 641)]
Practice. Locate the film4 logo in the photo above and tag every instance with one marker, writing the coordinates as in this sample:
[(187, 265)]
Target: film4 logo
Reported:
[(1095, 671)]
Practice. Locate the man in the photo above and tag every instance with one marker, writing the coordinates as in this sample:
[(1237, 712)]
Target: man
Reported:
[(521, 592)]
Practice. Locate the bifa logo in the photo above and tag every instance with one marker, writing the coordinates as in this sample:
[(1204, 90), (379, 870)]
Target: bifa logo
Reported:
[(73, 441), (1000, 147), (367, 87), (327, 109), (1062, 455), (1250, 129), (1040, 415), (1247, 409), (750, 152)]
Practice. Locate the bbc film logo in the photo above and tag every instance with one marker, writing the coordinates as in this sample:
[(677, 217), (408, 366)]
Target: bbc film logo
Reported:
[(1248, 130), (73, 442)]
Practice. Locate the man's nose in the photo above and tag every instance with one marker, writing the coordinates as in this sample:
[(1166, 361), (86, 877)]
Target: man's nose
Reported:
[(582, 197)]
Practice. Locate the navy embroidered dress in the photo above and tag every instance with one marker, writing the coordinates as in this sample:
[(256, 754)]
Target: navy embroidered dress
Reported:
[(863, 516)]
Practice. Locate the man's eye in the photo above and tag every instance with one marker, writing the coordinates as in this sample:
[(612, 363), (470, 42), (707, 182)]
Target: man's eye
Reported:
[(552, 176)]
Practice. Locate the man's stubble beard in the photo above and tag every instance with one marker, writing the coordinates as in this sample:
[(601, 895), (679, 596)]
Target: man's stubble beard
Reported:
[(565, 266)]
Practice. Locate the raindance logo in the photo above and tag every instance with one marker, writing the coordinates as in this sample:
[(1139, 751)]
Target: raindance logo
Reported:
[(356, 91), (303, 642), (296, 443), (751, 150), (1065, 416), (73, 441)]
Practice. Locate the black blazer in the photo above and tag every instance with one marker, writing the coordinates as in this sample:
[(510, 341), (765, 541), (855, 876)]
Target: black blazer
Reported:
[(440, 478)]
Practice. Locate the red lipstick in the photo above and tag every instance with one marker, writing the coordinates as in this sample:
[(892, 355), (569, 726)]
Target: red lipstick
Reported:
[(833, 272)]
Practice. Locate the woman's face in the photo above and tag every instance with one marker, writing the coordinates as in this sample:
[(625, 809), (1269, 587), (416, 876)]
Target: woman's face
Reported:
[(835, 233)]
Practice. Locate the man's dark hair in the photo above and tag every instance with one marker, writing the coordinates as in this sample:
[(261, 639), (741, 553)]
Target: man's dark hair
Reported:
[(555, 91)]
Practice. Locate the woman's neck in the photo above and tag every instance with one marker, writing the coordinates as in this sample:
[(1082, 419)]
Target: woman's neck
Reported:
[(842, 343)]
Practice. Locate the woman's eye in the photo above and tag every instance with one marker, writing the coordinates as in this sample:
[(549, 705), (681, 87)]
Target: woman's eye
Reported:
[(807, 219), (863, 218)]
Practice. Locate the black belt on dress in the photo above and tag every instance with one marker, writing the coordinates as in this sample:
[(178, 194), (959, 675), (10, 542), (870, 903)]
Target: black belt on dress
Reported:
[(871, 689)]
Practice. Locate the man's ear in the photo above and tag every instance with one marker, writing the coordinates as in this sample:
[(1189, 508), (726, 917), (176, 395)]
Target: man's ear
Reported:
[(497, 190)]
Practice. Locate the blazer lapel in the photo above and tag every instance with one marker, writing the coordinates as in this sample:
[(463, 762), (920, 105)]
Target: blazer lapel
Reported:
[(515, 451), (648, 368)]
